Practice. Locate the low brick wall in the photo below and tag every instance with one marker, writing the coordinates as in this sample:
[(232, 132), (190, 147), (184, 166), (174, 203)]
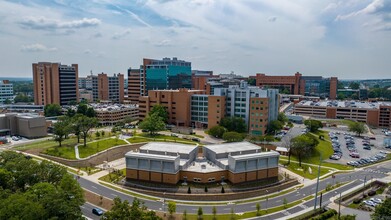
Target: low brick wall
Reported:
[(96, 159), (218, 196)]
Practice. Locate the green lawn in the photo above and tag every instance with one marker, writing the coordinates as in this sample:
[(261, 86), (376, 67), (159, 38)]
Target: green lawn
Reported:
[(47, 144), (63, 152), (97, 146), (304, 170), (165, 138)]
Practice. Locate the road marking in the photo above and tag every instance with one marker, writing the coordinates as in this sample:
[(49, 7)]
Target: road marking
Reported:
[(114, 195), (278, 201), (253, 206), (225, 209), (94, 187)]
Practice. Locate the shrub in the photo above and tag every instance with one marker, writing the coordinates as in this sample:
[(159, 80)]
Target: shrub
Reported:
[(371, 193), (326, 215), (189, 190), (356, 200)]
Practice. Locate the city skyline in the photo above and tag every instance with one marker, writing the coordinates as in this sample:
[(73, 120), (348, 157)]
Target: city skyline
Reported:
[(347, 39)]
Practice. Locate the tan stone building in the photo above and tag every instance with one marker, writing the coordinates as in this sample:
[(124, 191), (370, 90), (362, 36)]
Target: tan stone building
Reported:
[(108, 114), (55, 83), (170, 163), (25, 125)]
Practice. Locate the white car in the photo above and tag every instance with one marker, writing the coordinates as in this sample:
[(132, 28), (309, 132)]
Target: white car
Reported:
[(376, 200)]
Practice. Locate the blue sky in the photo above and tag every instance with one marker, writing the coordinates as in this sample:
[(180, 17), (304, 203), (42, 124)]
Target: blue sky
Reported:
[(350, 39)]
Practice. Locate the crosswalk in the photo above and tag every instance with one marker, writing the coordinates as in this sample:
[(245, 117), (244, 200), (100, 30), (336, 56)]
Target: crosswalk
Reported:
[(375, 171)]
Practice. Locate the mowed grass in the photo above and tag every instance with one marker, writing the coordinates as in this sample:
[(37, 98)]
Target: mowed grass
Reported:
[(98, 146), (46, 144), (164, 138), (304, 170)]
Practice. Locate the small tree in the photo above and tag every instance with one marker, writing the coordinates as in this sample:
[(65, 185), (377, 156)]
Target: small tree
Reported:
[(222, 189), (313, 125), (285, 202), (232, 214), (275, 126), (232, 136), (358, 128), (214, 212), (282, 117), (152, 123), (184, 215), (97, 134), (258, 207), (188, 190), (217, 131), (200, 213), (61, 130), (171, 207), (103, 133)]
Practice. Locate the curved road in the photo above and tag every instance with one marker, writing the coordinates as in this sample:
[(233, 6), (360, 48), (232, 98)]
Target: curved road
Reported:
[(357, 178)]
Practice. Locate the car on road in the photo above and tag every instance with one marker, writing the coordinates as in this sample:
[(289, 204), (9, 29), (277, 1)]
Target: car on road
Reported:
[(97, 211), (366, 147)]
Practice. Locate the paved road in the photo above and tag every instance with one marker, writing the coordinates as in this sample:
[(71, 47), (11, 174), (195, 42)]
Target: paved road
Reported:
[(357, 178), (86, 209)]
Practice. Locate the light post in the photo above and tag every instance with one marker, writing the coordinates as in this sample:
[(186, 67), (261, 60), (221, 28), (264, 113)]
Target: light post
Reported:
[(339, 207), (317, 182), (267, 193)]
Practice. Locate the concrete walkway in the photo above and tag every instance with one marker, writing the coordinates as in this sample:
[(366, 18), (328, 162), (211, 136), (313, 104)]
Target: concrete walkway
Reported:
[(77, 152)]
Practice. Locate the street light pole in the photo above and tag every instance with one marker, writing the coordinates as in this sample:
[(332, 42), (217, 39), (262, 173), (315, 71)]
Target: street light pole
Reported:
[(317, 182), (339, 208)]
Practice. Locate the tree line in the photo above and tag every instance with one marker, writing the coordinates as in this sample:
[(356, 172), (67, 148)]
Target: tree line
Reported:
[(33, 190)]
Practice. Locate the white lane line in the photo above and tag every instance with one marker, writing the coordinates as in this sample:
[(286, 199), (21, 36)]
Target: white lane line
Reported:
[(225, 209), (278, 201), (94, 187), (114, 195)]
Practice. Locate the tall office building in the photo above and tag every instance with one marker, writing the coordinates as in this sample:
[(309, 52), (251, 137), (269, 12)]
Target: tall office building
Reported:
[(166, 74), (6, 91), (55, 83), (108, 88), (135, 83)]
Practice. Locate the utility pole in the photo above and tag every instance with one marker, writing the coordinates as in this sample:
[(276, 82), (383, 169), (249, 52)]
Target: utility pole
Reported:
[(339, 208), (317, 182), (320, 202)]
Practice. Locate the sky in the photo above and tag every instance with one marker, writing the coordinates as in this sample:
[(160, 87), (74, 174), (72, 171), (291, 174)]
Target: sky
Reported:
[(350, 39)]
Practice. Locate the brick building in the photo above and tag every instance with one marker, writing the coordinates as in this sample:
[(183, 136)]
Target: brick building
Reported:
[(301, 85), (375, 114), (55, 83), (171, 163)]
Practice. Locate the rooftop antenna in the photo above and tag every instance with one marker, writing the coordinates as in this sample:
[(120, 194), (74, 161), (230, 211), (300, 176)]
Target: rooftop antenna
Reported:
[(91, 72)]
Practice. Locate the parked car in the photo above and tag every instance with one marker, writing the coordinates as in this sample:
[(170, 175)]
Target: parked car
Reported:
[(195, 139), (97, 211), (367, 148)]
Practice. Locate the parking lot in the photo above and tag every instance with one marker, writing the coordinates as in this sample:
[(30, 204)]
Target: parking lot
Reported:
[(348, 147)]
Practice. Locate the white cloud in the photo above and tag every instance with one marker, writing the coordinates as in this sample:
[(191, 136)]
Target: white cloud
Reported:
[(37, 48), (43, 23), (164, 43), (120, 35), (272, 19)]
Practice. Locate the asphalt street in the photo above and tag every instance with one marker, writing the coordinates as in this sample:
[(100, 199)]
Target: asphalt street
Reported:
[(357, 177), (86, 209)]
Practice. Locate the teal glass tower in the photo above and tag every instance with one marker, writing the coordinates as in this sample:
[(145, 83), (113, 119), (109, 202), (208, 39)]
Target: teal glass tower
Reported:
[(167, 74)]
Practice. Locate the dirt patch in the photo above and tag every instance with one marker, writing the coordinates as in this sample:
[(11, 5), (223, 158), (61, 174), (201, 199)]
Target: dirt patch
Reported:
[(97, 200), (35, 151)]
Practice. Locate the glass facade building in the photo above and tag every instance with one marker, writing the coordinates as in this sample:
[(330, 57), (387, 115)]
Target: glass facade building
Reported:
[(167, 74), (316, 86)]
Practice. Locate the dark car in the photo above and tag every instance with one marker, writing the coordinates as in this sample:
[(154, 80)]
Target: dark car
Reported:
[(97, 211), (195, 139)]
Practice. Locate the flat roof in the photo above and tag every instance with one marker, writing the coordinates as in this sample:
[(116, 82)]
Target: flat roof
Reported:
[(149, 156), (256, 155), (202, 166), (343, 104), (169, 147), (232, 147)]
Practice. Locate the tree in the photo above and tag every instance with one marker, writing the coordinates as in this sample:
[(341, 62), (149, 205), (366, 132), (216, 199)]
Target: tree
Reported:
[(313, 125), (382, 211), (152, 123), (160, 111), (200, 213), (358, 128), (282, 117), (7, 101), (51, 110), (97, 134), (302, 146), (90, 112), (234, 124), (37, 190), (341, 96), (82, 109), (61, 130), (251, 81), (217, 131), (85, 125), (76, 125), (71, 112), (232, 136), (354, 85), (214, 212), (258, 207), (184, 215), (171, 207), (275, 126), (285, 202), (123, 210)]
